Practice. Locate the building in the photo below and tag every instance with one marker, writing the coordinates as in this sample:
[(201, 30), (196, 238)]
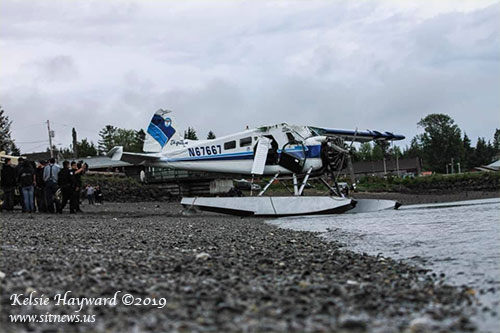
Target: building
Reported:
[(400, 167), (106, 164), (493, 167), (179, 182), (43, 155)]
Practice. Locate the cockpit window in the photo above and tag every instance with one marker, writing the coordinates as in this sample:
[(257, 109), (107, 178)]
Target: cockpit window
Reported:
[(290, 137)]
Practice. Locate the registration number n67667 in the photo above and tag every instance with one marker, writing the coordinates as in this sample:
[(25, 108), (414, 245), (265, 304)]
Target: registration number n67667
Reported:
[(205, 150)]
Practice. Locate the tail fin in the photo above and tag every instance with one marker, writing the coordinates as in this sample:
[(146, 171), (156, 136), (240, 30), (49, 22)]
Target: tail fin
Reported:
[(161, 130)]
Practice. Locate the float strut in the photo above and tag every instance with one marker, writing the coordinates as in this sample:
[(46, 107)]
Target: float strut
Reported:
[(269, 184), (295, 186), (304, 182)]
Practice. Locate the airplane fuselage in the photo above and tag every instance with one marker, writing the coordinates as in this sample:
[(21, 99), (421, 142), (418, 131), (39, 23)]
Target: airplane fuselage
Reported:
[(237, 151)]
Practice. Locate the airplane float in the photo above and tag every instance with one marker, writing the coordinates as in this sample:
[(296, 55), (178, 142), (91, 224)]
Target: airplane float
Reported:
[(285, 152)]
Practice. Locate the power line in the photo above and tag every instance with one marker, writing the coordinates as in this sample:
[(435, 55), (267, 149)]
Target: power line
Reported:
[(76, 127), (25, 127), (38, 146), (26, 142)]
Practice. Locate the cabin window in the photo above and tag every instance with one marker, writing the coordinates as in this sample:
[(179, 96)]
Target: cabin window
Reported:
[(230, 145), (246, 142)]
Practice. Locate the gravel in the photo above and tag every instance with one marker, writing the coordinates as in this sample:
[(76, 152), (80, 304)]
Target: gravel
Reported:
[(217, 274)]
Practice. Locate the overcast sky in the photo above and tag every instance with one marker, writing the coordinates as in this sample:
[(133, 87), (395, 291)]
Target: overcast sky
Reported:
[(222, 65)]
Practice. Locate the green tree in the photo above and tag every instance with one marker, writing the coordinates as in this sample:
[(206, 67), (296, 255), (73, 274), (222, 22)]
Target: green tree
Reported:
[(7, 144), (468, 153), (138, 142), (67, 153), (441, 141), (125, 138), (190, 134), (377, 153), (415, 149), (107, 139), (496, 141), (211, 135), (86, 148), (384, 148), (396, 151), (365, 151), (481, 153)]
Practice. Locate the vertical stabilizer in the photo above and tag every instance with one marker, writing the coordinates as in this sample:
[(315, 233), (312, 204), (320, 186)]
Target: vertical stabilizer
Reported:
[(160, 132)]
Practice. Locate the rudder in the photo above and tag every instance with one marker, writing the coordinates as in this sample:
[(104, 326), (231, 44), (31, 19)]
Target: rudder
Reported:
[(159, 132)]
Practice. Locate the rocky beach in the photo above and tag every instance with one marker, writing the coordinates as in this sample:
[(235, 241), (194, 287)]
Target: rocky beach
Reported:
[(216, 273)]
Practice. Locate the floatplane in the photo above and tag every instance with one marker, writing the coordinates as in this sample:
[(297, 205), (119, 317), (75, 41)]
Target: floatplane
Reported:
[(292, 153)]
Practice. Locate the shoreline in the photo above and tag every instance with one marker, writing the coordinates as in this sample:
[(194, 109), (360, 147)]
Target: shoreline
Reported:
[(438, 197), (217, 273)]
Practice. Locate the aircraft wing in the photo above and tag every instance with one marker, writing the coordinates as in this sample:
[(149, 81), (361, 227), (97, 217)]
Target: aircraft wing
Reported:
[(118, 154), (359, 136)]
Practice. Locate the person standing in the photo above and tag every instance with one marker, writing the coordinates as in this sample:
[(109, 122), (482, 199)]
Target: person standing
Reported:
[(41, 203), (50, 178), (66, 181), (8, 185), (18, 167), (78, 171), (90, 194), (98, 195), (27, 183)]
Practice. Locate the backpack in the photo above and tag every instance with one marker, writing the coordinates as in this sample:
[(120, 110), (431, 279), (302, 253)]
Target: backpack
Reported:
[(26, 178)]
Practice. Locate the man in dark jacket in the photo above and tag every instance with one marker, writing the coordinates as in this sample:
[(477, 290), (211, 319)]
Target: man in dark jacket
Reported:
[(78, 170), (8, 185), (20, 163), (41, 203), (26, 179), (67, 184)]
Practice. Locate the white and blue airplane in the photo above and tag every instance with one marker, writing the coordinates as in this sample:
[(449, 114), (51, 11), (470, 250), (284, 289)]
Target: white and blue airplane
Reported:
[(278, 150)]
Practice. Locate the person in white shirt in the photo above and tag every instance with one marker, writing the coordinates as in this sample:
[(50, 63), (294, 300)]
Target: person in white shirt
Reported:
[(90, 194), (50, 178)]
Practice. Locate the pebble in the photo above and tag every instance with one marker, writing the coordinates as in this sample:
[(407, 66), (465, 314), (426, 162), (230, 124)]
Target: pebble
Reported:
[(218, 273), (203, 256)]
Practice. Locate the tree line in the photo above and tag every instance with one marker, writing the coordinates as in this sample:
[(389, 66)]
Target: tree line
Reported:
[(440, 144)]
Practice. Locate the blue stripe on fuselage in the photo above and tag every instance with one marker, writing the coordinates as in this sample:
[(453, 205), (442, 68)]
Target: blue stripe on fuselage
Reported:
[(311, 152)]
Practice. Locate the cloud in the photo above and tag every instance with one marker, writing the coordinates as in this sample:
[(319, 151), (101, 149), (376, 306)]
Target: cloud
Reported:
[(381, 65), (60, 68)]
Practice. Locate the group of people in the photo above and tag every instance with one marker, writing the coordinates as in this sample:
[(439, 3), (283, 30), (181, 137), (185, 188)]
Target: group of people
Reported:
[(45, 187)]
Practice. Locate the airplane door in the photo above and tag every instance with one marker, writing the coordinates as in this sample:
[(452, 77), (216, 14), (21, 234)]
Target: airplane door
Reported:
[(272, 154)]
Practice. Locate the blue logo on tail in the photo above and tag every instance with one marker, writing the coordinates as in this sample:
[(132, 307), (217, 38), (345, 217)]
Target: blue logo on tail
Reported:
[(161, 129)]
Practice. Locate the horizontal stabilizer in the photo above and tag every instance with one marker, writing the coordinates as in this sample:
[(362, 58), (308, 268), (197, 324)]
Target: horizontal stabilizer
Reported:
[(117, 154), (358, 136)]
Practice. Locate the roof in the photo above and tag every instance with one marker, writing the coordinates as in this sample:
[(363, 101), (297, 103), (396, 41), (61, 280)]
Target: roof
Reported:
[(102, 162), (390, 165), (44, 155), (495, 166)]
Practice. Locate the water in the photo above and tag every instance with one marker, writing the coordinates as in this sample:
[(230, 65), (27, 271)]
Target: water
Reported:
[(460, 240)]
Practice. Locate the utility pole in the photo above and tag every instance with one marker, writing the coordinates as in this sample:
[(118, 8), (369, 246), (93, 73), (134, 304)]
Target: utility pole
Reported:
[(351, 169), (75, 143), (51, 134), (452, 166)]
